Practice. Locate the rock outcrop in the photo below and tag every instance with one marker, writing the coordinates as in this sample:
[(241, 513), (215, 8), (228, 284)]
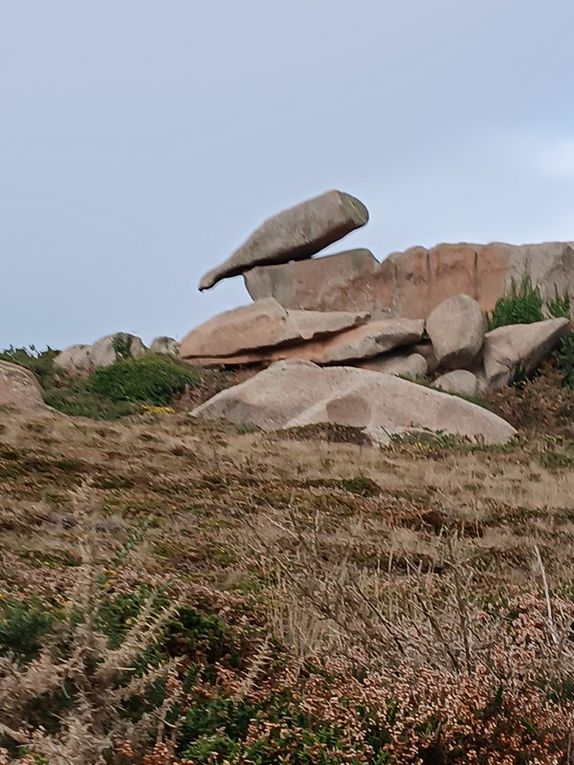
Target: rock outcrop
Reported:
[(319, 284), (412, 283), (20, 388), (294, 393), (83, 359), (518, 349), (456, 328), (294, 234)]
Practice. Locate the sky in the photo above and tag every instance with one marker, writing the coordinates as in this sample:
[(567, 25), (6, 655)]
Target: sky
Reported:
[(142, 141)]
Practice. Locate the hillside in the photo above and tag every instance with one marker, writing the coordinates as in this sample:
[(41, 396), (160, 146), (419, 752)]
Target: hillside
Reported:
[(313, 599)]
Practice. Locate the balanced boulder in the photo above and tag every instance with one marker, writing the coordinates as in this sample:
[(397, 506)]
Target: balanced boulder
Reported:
[(262, 325), (519, 349), (294, 234), (456, 328), (294, 393)]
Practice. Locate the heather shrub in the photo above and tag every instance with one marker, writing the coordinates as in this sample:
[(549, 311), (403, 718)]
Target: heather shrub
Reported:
[(149, 379)]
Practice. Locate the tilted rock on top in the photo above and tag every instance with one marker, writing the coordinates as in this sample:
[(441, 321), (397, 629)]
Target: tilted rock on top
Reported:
[(294, 234)]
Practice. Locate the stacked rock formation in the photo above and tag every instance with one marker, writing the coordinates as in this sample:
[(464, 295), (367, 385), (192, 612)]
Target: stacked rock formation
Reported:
[(421, 313)]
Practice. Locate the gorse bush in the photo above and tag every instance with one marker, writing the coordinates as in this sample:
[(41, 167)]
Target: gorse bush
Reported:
[(147, 380), (521, 305)]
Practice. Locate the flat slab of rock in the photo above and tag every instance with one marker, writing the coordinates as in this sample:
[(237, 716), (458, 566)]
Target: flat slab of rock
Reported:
[(461, 382), (341, 282), (295, 393), (263, 325), (361, 342), (294, 234), (409, 365), (20, 388), (519, 349), (456, 328)]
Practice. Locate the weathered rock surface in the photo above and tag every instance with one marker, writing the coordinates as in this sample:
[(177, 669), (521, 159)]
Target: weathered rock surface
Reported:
[(409, 365), (115, 347), (263, 325), (294, 234), (20, 388), (165, 346), (361, 342), (75, 359), (412, 283), (460, 382), (417, 280), (519, 348), (319, 284), (297, 393), (426, 350), (82, 359), (456, 328)]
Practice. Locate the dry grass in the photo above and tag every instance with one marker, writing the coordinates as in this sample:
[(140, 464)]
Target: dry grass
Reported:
[(414, 602)]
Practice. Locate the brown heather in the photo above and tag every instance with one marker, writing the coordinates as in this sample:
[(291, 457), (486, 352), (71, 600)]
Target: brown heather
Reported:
[(304, 600)]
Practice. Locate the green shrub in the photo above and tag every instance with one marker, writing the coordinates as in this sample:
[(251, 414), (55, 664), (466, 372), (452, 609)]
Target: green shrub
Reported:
[(521, 305), (564, 359), (559, 307), (146, 380), (22, 627)]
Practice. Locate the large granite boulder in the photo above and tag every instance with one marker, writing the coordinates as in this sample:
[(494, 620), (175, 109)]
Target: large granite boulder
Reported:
[(75, 360), (456, 328), (319, 284), (262, 325), (294, 393), (360, 342), (20, 388), (519, 349), (294, 234)]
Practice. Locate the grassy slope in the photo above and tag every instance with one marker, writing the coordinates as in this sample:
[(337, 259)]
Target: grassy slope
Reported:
[(288, 535)]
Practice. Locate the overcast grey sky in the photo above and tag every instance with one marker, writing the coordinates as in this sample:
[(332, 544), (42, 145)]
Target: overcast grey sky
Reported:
[(141, 141)]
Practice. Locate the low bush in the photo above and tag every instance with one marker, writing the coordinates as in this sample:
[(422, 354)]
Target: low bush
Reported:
[(155, 380), (521, 305)]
